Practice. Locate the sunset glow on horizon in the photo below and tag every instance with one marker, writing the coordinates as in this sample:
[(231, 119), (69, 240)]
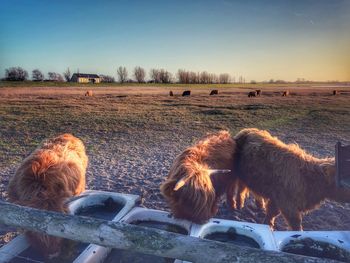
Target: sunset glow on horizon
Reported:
[(260, 40)]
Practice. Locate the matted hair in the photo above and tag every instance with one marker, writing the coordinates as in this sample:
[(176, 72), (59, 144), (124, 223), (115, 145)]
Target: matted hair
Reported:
[(52, 173), (199, 176)]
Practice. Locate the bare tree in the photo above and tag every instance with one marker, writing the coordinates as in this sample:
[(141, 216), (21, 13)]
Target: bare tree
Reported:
[(37, 75), (204, 77), (122, 74), (165, 76), (224, 78), (155, 75), (53, 76), (193, 77), (67, 75), (183, 76), (161, 76), (16, 74), (139, 74), (213, 78), (107, 79)]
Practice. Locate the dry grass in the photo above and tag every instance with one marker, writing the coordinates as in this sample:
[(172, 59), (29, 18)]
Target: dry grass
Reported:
[(28, 115), (133, 134)]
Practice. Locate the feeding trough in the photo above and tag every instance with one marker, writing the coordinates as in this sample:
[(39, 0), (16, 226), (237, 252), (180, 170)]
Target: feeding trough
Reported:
[(96, 204), (323, 244), (238, 233), (11, 250), (153, 219), (104, 205)]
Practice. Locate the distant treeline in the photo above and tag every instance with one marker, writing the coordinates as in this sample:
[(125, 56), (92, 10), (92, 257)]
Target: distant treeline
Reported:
[(139, 75)]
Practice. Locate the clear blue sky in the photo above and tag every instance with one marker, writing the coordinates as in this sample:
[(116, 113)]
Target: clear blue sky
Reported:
[(279, 39)]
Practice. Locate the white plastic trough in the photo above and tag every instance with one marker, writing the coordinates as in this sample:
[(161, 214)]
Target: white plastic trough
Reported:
[(339, 239), (95, 253), (88, 198), (144, 214), (261, 234), (13, 248), (266, 239)]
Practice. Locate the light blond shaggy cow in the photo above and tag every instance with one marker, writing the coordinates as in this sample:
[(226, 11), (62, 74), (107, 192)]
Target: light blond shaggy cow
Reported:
[(291, 180), (285, 93), (199, 176), (46, 178), (88, 93)]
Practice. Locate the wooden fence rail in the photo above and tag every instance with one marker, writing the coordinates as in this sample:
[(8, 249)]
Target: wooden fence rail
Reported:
[(137, 238)]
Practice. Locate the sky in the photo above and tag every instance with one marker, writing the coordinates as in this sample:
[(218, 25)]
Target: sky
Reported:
[(260, 40)]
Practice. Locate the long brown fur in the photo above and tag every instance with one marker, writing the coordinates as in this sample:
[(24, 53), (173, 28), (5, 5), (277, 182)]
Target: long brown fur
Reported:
[(197, 199), (292, 181), (46, 178)]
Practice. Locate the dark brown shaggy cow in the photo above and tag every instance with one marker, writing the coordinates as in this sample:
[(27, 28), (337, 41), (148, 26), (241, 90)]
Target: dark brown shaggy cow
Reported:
[(171, 93), (186, 93), (285, 93), (258, 92), (292, 181), (46, 178), (193, 189), (214, 92), (251, 94)]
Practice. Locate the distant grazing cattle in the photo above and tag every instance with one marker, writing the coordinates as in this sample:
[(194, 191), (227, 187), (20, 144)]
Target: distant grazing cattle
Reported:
[(258, 92), (252, 94), (214, 92), (186, 93), (335, 92), (88, 93), (285, 93), (171, 93)]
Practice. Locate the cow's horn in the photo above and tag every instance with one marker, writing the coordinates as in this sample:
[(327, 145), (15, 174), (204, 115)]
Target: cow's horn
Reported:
[(219, 171), (179, 184)]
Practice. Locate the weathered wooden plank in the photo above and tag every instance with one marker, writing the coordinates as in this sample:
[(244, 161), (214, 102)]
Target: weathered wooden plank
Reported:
[(137, 238)]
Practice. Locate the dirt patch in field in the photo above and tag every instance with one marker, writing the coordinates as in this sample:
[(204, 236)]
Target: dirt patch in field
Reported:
[(133, 135)]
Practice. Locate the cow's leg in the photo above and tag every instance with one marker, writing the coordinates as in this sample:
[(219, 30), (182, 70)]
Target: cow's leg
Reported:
[(260, 202), (272, 212), (241, 192), (236, 194), (293, 218), (231, 194)]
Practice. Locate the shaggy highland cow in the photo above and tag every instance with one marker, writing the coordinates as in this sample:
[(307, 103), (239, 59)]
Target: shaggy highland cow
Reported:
[(214, 92), (193, 189), (291, 180), (258, 92), (47, 177), (285, 93), (88, 93), (252, 94), (186, 93)]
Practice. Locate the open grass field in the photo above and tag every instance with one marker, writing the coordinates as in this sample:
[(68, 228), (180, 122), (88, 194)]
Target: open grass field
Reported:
[(134, 133)]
